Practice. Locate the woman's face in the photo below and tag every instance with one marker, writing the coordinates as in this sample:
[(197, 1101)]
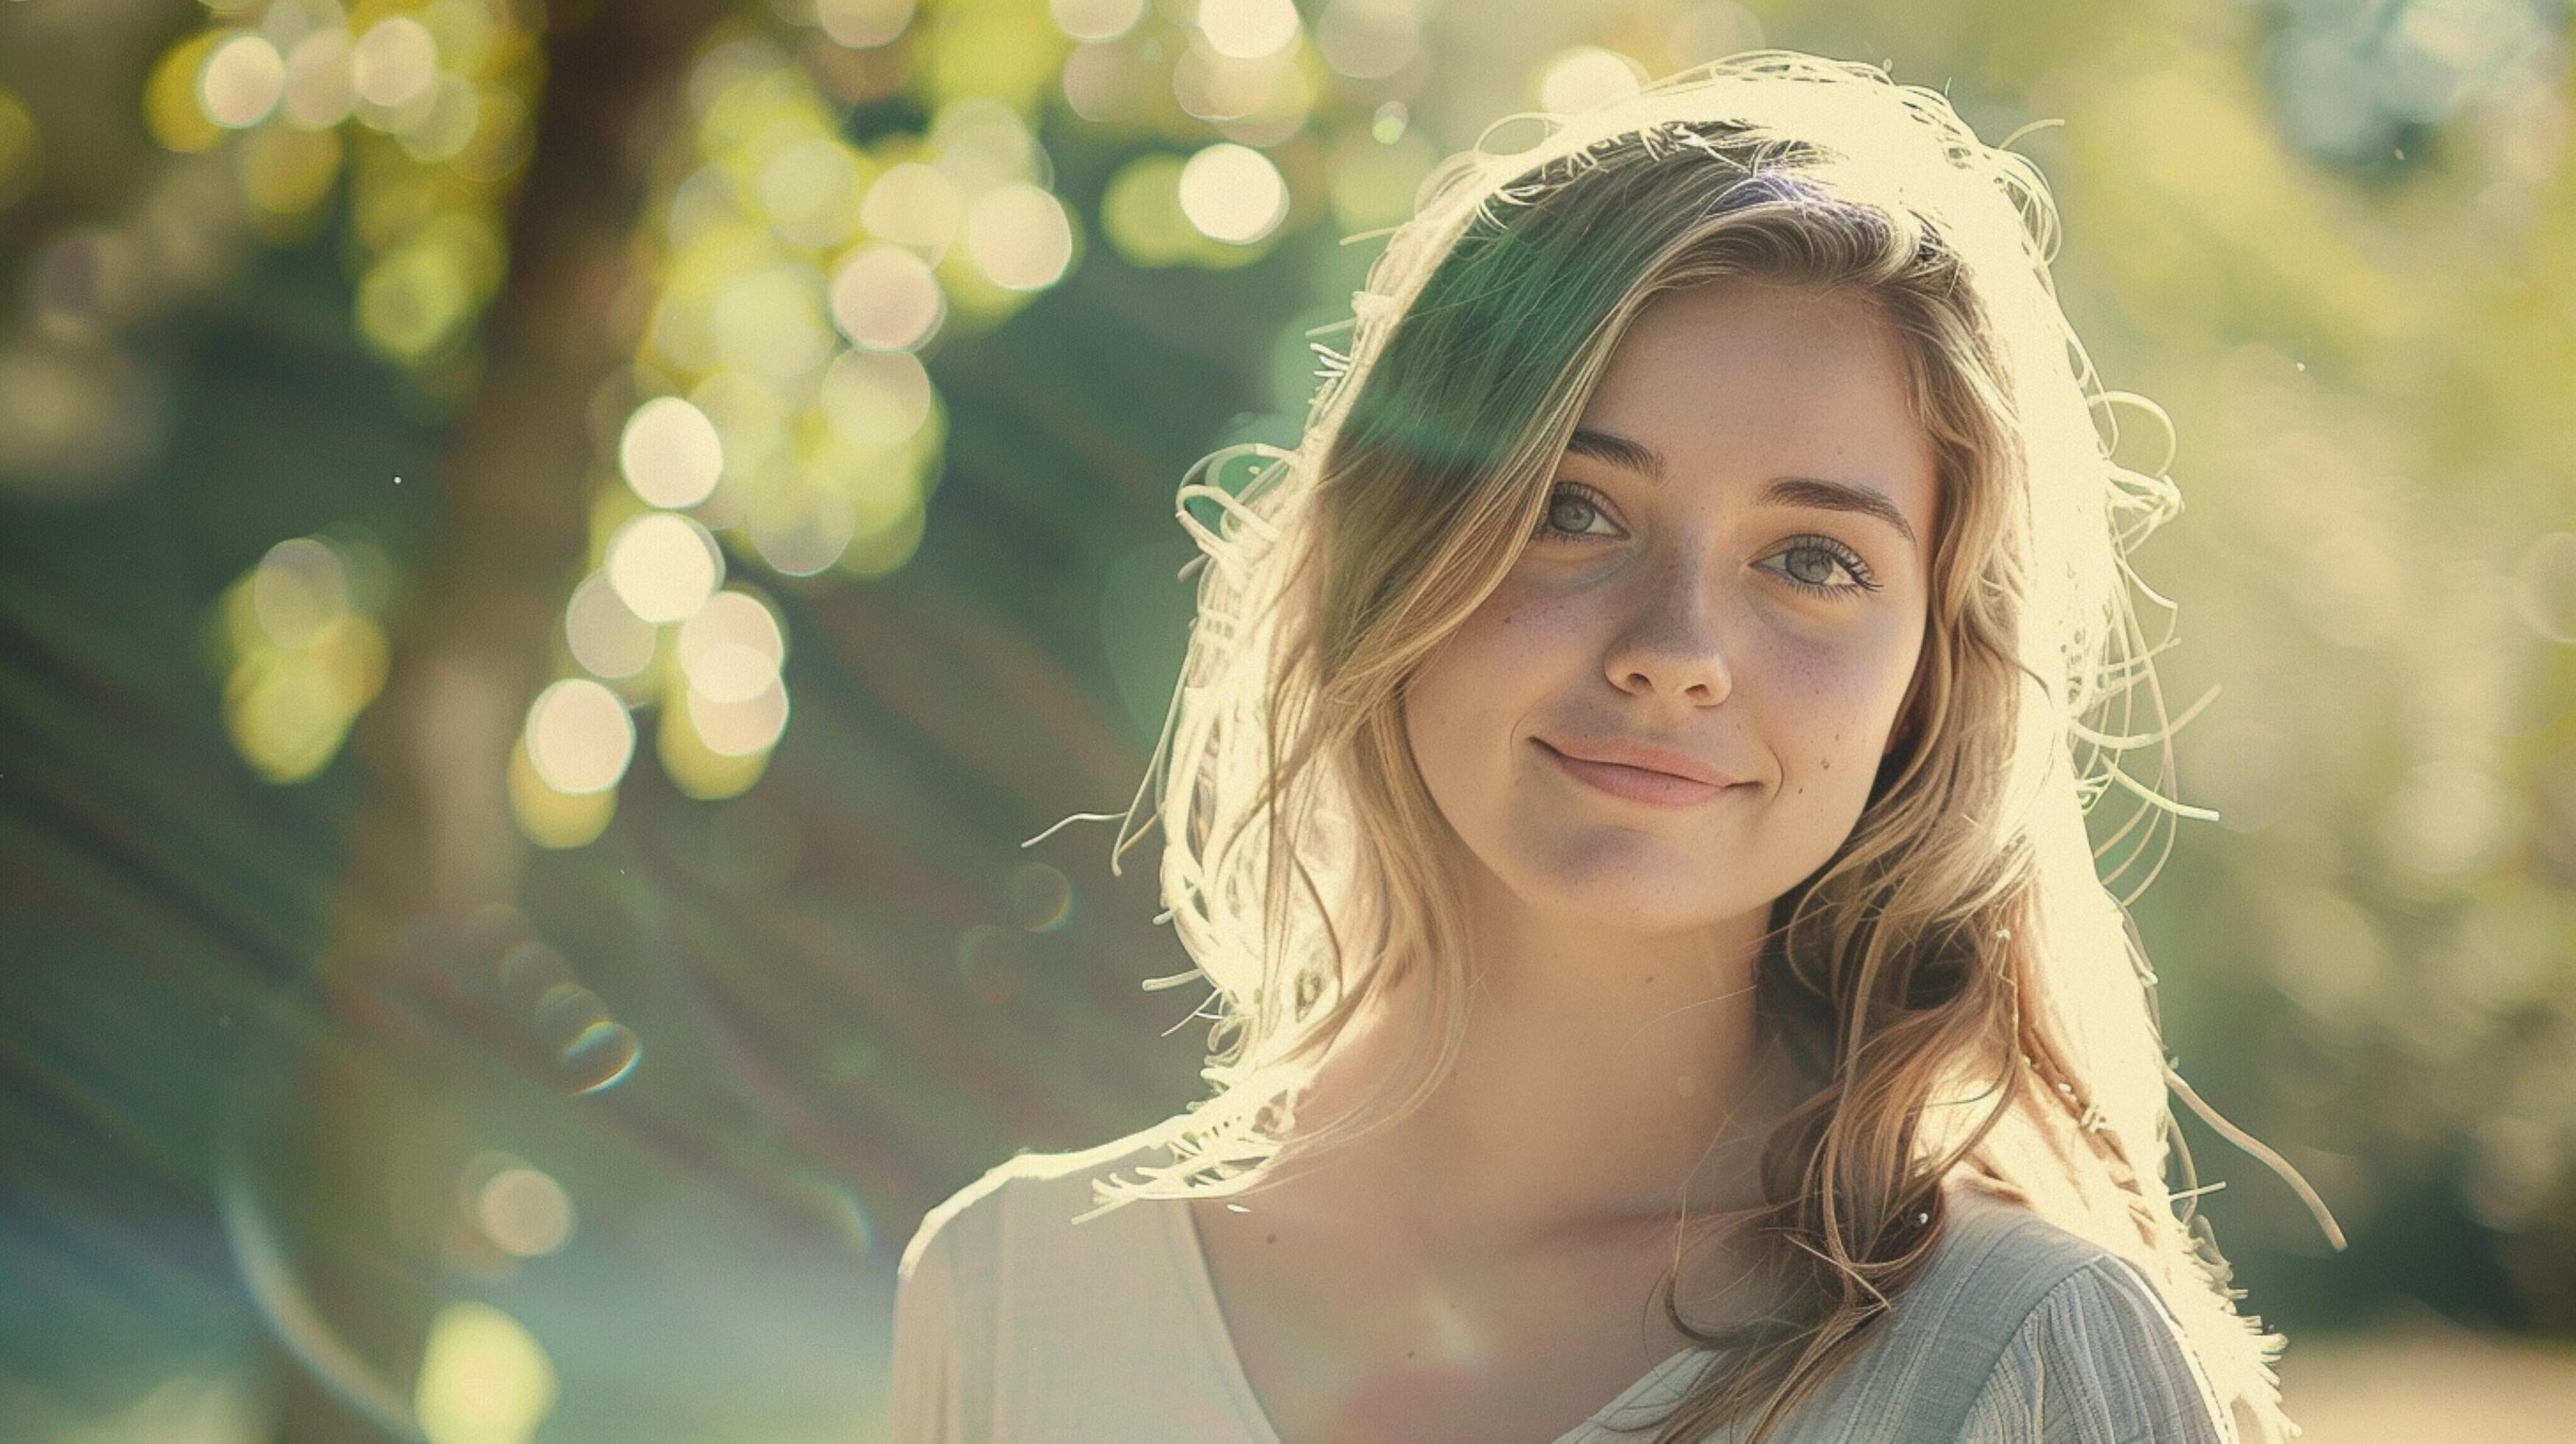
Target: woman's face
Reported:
[(1672, 710)]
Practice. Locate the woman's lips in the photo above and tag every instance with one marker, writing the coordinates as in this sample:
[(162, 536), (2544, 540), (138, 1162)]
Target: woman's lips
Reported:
[(1637, 784)]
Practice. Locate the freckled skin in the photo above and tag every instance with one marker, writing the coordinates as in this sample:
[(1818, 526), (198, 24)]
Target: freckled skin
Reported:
[(1612, 1036), (1674, 618)]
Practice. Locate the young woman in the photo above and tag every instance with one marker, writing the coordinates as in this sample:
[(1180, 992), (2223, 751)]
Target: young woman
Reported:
[(1625, 792)]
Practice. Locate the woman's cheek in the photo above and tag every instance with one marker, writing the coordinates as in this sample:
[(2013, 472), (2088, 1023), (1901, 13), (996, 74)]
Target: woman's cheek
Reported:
[(1464, 679), (1831, 701), (1477, 649), (1479, 681), (1525, 618)]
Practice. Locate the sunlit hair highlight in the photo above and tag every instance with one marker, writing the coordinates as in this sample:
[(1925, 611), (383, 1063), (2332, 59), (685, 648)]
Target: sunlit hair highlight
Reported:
[(1959, 989)]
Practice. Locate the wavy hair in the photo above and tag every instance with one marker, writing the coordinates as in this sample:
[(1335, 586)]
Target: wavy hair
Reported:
[(1957, 987)]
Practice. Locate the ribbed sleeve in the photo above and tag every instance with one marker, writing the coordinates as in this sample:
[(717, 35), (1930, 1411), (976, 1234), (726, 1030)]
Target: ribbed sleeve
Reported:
[(2101, 1360), (923, 1407)]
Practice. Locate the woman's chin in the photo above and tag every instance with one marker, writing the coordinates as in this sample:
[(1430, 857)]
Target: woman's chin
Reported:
[(1630, 900)]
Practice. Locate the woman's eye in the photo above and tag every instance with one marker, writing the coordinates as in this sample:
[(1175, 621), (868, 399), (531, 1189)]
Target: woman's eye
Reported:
[(1808, 563), (1811, 562), (1571, 512)]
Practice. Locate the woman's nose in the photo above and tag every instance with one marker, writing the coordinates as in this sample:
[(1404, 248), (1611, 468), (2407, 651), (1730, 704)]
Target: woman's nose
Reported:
[(1670, 644)]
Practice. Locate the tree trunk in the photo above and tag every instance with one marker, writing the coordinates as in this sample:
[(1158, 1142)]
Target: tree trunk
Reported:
[(372, 1151)]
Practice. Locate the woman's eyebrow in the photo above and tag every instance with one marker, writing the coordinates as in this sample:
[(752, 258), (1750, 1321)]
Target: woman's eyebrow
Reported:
[(1806, 491), (1619, 451), (1814, 491)]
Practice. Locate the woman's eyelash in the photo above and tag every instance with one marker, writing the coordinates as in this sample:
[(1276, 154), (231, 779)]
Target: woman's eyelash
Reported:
[(1849, 560), (1575, 491), (1557, 496)]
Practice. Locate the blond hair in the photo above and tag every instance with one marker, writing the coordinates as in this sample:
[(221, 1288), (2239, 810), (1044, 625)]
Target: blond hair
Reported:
[(1957, 986)]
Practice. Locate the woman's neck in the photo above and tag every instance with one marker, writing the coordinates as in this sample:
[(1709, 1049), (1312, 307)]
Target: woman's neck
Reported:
[(1605, 1081)]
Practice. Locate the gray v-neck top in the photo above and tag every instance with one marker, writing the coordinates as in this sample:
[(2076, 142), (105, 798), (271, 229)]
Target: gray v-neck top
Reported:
[(1014, 1322)]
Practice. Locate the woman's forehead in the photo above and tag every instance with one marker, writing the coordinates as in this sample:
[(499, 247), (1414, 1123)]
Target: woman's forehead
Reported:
[(1737, 384)]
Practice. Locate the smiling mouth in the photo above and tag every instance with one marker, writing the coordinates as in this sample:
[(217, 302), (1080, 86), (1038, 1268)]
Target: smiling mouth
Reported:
[(1637, 784)]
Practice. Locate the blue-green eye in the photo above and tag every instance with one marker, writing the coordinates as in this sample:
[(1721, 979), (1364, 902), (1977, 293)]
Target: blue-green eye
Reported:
[(1835, 555), (1574, 510), (1575, 513)]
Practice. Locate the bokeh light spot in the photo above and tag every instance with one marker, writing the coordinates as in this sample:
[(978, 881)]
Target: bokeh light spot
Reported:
[(580, 737), (863, 24), (914, 204), (1040, 897), (304, 650), (769, 321), (2449, 817), (1218, 87), (287, 172), (807, 188), (440, 129), (664, 566), (549, 818), (1711, 31), (1369, 39), (600, 1056), (484, 1379), (732, 649), (1247, 29), (413, 300), (1389, 122), (1232, 193), (983, 143), (882, 549), (670, 453), (1096, 19), (605, 635), (740, 728), (885, 298), (799, 531), (1019, 236), (300, 586), (317, 79), (288, 712), (242, 81), (524, 1211), (1102, 80), (750, 418), (1587, 77), (394, 63), (695, 769), (875, 398), (1141, 212), (173, 108)]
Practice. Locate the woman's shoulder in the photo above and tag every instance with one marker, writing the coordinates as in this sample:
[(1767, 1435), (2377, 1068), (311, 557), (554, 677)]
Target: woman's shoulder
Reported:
[(2046, 1334), (2000, 1256), (2002, 1266), (1030, 1197), (1024, 1310)]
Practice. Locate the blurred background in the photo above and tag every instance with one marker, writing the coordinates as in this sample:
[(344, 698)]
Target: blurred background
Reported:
[(552, 553)]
